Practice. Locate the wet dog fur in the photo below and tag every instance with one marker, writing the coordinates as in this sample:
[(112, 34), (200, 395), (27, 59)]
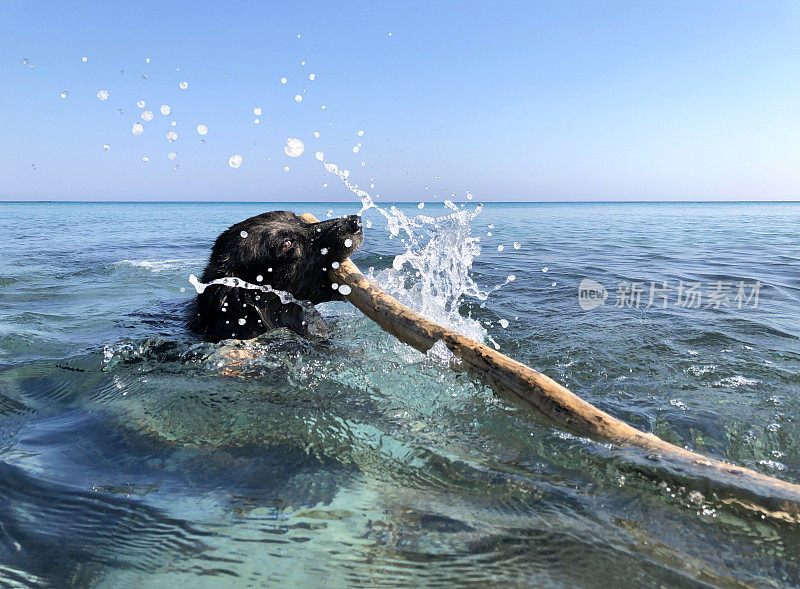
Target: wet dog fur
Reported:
[(281, 250)]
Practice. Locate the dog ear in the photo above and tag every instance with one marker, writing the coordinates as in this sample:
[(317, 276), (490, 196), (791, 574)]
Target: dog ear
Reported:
[(305, 321)]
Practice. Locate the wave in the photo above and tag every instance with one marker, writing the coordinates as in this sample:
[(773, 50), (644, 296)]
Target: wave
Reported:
[(157, 266)]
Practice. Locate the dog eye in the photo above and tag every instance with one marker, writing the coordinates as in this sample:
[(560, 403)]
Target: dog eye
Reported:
[(287, 243)]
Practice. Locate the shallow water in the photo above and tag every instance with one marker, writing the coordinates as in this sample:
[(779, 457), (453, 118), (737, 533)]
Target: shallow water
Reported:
[(133, 455)]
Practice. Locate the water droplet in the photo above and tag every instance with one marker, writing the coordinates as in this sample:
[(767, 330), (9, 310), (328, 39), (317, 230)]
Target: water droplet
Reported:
[(147, 115), (319, 155), (257, 111), (145, 159), (244, 234), (504, 323), (298, 98), (330, 212), (183, 85), (83, 59), (172, 155), (348, 242), (202, 129), (316, 134), (183, 289), (140, 104), (344, 289), (256, 121), (106, 147), (312, 76), (421, 205), (553, 284), (324, 251), (242, 320), (335, 265), (259, 278), (285, 168), (137, 128), (500, 248), (283, 80), (103, 94), (545, 269), (324, 107), (360, 132), (235, 161), (172, 136), (511, 278), (294, 147), (335, 286), (64, 94), (166, 110), (147, 60), (517, 245), (356, 149)]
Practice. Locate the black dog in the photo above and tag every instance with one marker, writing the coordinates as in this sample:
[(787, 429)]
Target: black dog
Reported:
[(276, 250)]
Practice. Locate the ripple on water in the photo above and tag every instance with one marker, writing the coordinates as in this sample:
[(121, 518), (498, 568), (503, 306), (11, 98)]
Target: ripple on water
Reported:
[(43, 518)]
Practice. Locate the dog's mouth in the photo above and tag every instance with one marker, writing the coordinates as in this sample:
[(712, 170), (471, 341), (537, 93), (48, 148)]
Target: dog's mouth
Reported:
[(332, 243), (338, 239)]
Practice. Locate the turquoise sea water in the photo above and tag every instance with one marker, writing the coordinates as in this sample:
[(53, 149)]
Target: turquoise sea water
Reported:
[(131, 454)]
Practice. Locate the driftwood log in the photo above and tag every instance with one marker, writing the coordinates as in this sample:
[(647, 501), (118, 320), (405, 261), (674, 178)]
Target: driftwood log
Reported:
[(728, 483)]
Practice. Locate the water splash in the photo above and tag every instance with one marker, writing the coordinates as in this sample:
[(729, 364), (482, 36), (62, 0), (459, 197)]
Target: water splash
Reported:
[(285, 297), (433, 275), (294, 147)]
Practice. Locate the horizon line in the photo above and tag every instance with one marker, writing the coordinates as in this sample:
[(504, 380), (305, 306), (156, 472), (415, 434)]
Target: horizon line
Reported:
[(476, 201)]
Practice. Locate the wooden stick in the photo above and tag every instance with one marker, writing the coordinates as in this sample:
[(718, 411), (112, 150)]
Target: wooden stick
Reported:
[(728, 483)]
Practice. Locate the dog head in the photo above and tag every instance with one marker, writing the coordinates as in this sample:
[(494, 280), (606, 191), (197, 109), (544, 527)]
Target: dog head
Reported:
[(279, 250)]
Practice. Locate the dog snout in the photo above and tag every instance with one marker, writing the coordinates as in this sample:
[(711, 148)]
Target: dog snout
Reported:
[(353, 224)]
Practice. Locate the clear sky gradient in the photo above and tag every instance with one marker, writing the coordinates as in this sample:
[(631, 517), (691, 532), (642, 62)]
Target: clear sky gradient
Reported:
[(512, 101)]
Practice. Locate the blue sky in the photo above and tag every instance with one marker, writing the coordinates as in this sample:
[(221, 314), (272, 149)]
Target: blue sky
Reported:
[(511, 101)]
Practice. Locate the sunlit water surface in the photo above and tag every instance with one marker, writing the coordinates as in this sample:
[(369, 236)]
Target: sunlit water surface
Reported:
[(132, 454)]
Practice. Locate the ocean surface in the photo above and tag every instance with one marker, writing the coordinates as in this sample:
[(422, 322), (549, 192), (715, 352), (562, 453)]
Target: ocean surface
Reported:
[(134, 455)]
